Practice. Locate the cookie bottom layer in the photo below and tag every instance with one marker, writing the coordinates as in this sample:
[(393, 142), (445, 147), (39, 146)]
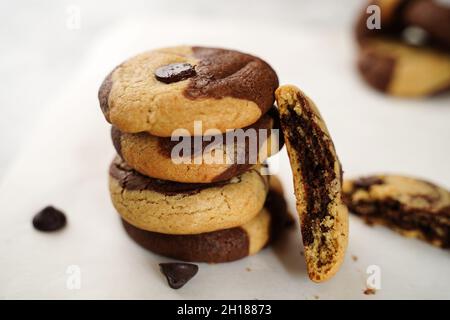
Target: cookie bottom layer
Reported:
[(222, 245)]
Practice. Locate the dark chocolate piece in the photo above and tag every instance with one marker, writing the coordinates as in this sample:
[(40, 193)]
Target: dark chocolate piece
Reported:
[(49, 219), (177, 273), (174, 72)]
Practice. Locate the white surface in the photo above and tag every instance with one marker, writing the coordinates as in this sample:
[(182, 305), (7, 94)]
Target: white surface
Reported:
[(66, 163)]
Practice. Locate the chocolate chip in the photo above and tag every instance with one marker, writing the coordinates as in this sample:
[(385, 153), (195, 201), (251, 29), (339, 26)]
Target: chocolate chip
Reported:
[(49, 219), (174, 72), (367, 182), (178, 274)]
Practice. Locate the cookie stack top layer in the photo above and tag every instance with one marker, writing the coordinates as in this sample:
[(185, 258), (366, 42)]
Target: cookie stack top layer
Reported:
[(166, 89)]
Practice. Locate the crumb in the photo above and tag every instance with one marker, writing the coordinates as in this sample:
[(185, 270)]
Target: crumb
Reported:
[(354, 258), (316, 297), (248, 269), (302, 253), (369, 291)]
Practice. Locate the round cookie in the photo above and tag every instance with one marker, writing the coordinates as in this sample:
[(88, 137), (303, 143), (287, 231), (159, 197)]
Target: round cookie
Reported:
[(151, 155), (403, 70), (222, 245), (163, 90), (183, 208)]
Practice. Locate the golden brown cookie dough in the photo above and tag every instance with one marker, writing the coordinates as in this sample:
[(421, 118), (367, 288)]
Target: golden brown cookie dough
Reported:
[(317, 177), (183, 208), (412, 207), (163, 90), (222, 245), (151, 155)]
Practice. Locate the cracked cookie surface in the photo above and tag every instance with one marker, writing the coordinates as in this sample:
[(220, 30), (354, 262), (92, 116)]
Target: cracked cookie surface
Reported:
[(317, 176), (222, 245), (152, 156), (410, 206), (185, 208), (225, 89)]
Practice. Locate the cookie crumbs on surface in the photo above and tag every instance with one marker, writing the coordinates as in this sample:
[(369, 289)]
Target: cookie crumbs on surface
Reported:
[(316, 297), (248, 269), (354, 258), (369, 291)]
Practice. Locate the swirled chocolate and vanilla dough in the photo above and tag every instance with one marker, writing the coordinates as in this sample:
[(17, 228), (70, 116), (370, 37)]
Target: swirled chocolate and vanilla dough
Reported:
[(412, 207), (317, 177)]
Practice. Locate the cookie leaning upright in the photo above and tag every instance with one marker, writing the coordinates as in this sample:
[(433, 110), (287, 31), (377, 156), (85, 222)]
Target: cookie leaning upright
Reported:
[(317, 182), (163, 90)]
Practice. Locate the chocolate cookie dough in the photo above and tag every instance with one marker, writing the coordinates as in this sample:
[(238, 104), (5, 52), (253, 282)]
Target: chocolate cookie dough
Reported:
[(170, 88), (185, 208), (317, 176), (412, 207), (221, 245), (151, 155)]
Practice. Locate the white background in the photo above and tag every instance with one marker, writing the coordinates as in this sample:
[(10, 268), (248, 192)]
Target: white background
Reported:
[(56, 148)]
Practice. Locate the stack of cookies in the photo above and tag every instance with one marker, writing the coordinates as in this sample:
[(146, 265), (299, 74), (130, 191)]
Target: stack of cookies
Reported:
[(181, 187)]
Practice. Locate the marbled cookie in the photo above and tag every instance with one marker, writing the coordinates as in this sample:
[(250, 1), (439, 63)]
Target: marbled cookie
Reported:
[(185, 208), (317, 177), (403, 70), (152, 156), (170, 88), (413, 207), (222, 245)]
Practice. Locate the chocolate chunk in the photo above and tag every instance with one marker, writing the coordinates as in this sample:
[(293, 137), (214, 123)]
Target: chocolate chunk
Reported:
[(178, 274), (174, 72), (49, 219), (366, 182)]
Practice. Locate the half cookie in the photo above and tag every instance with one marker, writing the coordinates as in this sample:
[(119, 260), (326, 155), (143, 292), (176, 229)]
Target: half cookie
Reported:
[(163, 90), (185, 208), (317, 177), (412, 207), (197, 160), (222, 245)]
